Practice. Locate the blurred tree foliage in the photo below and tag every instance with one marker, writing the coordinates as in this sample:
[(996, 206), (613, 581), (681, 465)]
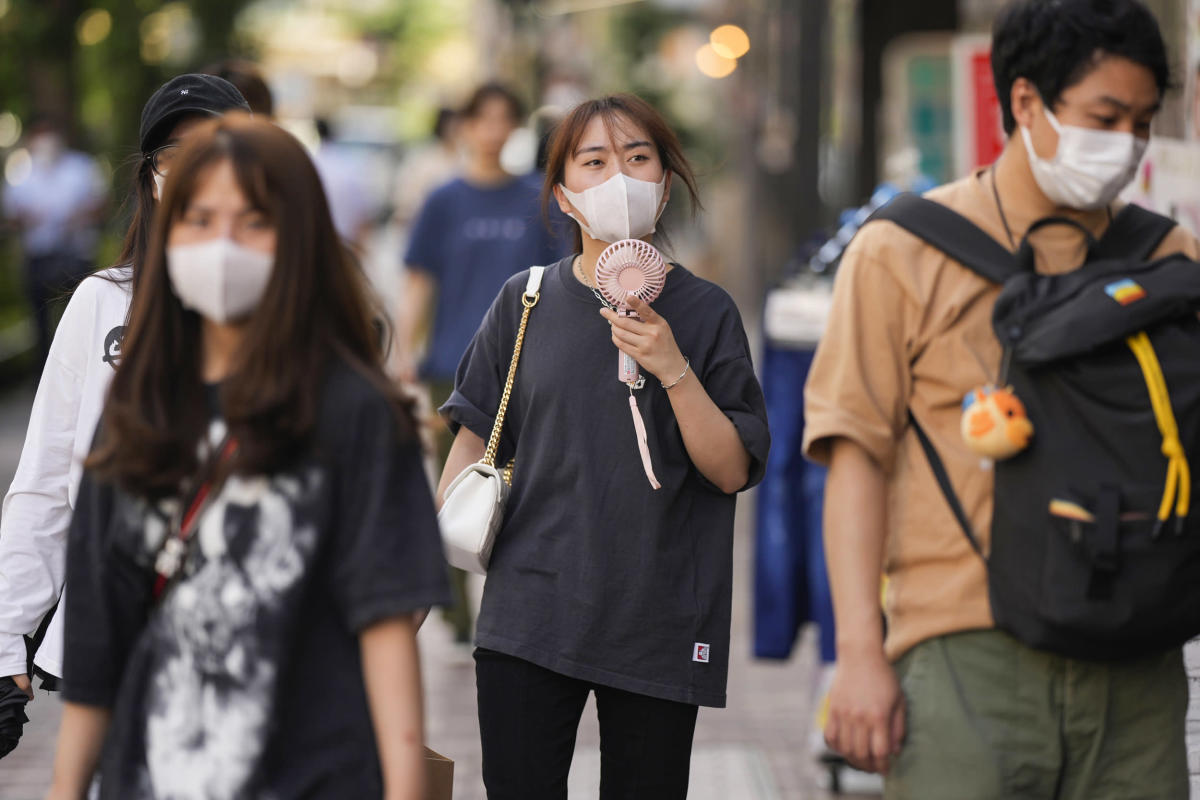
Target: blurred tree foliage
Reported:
[(49, 64), (98, 89)]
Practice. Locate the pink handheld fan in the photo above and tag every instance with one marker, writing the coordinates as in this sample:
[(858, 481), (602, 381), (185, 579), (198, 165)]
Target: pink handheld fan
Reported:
[(635, 268), (625, 268)]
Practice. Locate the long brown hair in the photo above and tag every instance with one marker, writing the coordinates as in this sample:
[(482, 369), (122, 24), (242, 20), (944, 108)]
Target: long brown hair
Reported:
[(314, 309), (617, 111)]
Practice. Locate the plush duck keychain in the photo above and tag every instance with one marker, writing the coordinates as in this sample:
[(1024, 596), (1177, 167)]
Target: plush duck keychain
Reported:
[(994, 423)]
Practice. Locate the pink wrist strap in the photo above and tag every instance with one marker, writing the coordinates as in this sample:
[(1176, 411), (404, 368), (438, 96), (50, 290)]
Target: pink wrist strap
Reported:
[(643, 445)]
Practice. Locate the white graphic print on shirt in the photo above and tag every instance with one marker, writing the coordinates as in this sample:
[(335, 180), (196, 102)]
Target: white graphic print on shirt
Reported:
[(219, 634)]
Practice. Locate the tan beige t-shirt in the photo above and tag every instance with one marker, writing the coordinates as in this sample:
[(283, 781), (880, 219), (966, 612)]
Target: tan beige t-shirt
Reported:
[(911, 328)]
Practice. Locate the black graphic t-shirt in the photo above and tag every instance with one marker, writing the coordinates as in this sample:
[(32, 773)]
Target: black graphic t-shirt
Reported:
[(245, 681)]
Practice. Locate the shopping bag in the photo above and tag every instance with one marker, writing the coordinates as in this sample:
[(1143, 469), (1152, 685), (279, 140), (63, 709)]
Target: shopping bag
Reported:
[(439, 776)]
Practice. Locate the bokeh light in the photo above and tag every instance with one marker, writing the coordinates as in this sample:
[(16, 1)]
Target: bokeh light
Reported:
[(156, 38), (93, 27), (18, 167), (357, 65), (730, 41), (169, 35), (10, 129), (712, 63)]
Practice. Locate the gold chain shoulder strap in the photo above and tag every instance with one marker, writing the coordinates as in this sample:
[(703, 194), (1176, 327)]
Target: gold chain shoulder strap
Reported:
[(528, 300)]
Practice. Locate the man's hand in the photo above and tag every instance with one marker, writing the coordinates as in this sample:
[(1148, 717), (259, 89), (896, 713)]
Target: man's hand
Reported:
[(866, 712)]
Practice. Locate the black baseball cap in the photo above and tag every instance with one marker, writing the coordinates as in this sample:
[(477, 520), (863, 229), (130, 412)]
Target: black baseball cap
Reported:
[(185, 94)]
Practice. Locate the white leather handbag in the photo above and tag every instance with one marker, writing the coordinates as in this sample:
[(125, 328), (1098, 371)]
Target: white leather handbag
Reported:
[(473, 504)]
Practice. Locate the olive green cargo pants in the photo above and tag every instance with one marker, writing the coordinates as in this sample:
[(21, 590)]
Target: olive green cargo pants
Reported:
[(991, 719)]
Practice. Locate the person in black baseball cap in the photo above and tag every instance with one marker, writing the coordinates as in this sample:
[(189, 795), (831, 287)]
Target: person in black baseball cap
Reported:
[(182, 96), (85, 354)]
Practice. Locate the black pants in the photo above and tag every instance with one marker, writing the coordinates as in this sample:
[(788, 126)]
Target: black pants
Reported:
[(49, 281), (528, 717)]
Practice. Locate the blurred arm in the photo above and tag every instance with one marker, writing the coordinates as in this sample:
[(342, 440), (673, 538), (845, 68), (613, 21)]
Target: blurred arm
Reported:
[(391, 671), (866, 708), (37, 508), (80, 737), (416, 300)]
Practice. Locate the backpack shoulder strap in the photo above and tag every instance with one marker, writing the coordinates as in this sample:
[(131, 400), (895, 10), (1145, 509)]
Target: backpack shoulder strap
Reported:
[(953, 234), (943, 481), (1135, 233)]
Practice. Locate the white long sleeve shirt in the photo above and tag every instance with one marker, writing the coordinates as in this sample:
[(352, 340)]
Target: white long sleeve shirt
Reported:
[(38, 506)]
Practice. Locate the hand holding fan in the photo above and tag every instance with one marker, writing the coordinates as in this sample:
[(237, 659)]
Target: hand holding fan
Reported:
[(625, 268), (630, 267)]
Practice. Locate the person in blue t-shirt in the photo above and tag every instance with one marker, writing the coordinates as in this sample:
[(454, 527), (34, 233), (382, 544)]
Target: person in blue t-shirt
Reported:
[(471, 235)]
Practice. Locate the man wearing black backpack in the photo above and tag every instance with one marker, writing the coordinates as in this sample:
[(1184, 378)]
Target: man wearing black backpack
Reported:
[(1052, 670)]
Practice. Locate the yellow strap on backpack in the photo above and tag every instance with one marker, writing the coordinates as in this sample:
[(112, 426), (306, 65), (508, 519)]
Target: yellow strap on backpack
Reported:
[(1178, 489)]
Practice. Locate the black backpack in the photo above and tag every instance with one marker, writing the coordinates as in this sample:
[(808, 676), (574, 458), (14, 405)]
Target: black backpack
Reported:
[(1095, 546)]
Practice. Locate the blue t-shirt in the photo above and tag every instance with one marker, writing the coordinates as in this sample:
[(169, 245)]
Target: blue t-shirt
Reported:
[(471, 240)]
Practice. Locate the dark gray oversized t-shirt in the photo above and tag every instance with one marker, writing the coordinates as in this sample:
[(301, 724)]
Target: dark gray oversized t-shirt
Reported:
[(245, 680), (594, 574)]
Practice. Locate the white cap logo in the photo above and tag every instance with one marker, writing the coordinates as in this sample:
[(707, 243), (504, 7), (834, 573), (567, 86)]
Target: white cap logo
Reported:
[(183, 91)]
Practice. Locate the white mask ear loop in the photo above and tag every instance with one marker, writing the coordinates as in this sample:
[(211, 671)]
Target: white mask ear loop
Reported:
[(1053, 120), (666, 197)]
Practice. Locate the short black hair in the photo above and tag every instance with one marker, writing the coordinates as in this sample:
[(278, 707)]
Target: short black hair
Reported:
[(441, 125), (497, 91), (246, 76), (1055, 44)]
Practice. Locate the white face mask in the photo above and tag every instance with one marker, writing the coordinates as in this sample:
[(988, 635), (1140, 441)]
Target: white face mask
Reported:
[(45, 148), (221, 280), (159, 180), (620, 208), (1090, 167)]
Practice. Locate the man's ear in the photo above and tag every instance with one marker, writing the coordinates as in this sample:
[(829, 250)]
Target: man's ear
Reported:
[(1025, 102)]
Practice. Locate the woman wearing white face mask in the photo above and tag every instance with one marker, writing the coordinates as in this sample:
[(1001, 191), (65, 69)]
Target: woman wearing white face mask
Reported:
[(83, 358), (254, 532), (600, 581)]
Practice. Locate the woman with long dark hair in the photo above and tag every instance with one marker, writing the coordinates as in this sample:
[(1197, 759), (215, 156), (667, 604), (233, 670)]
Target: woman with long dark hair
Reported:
[(83, 358), (600, 581), (254, 534)]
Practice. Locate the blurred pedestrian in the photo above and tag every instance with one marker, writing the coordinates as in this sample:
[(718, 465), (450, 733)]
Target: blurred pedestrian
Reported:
[(57, 211), (472, 235), (598, 582), (947, 705), (71, 392), (248, 79), (427, 167), (346, 186), (254, 534)]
